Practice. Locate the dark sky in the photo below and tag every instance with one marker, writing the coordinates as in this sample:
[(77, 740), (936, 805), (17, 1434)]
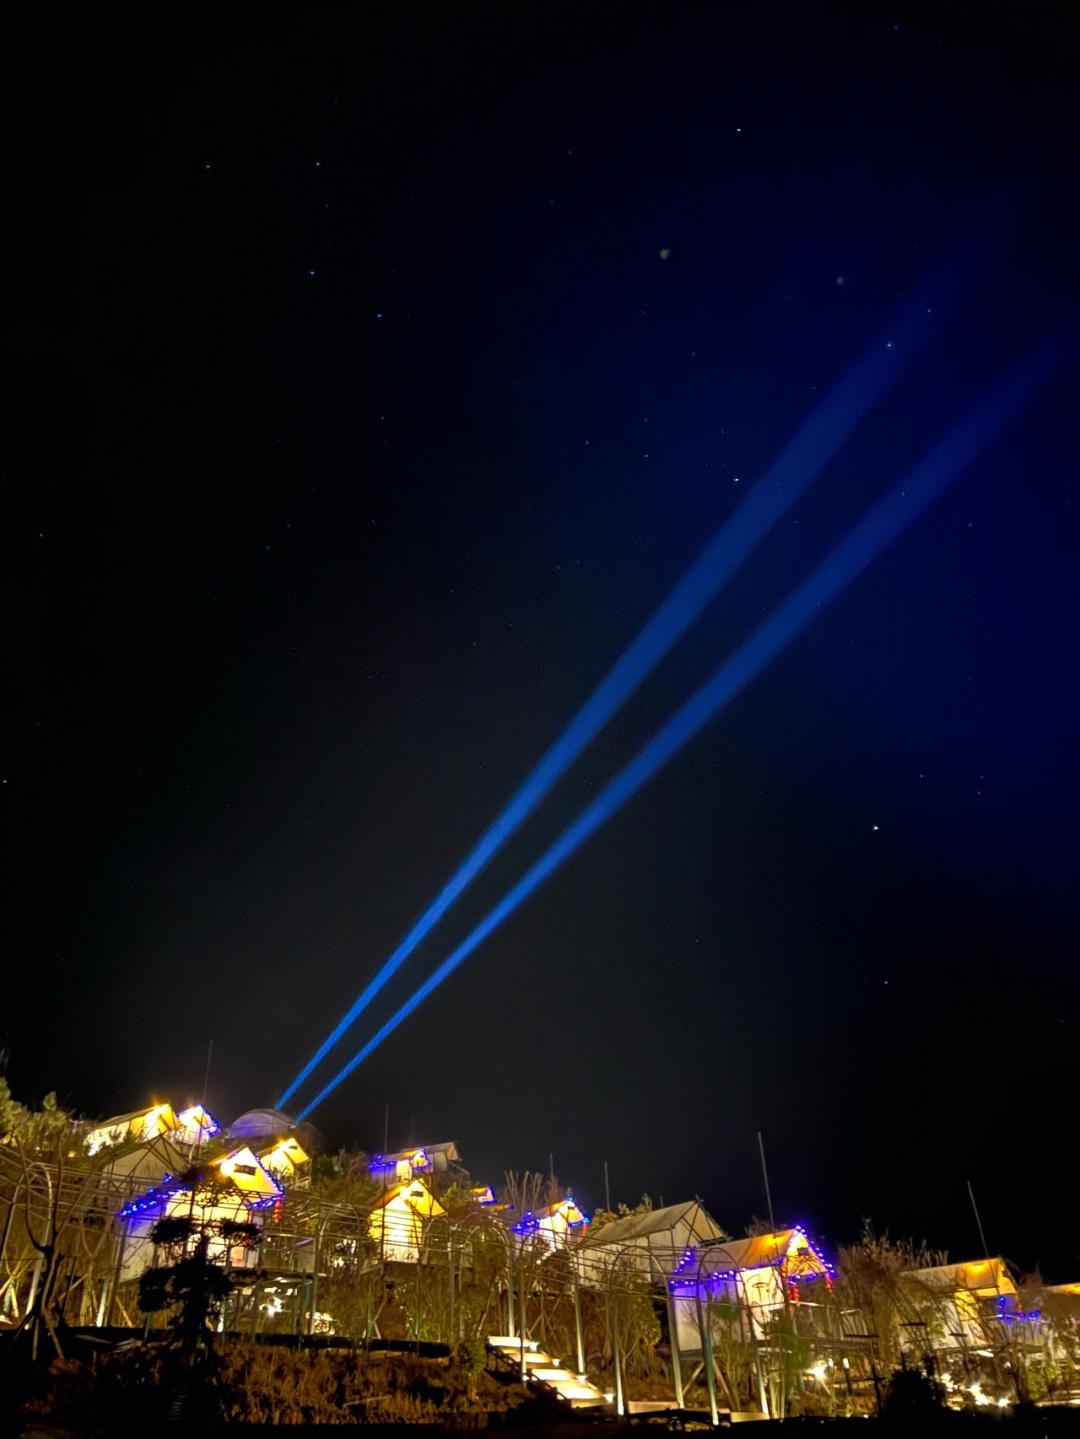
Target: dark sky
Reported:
[(374, 382)]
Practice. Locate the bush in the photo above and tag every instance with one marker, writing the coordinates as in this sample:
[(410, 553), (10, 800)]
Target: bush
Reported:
[(911, 1394)]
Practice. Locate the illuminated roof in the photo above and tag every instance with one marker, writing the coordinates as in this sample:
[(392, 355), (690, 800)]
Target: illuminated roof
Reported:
[(981, 1277), (140, 1123), (162, 1111), (417, 1155), (196, 1118), (249, 1176), (787, 1247), (415, 1194), (565, 1209), (287, 1153), (257, 1188)]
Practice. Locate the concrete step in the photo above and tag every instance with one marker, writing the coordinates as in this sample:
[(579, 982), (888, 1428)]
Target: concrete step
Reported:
[(533, 1358), (569, 1386), (542, 1369)]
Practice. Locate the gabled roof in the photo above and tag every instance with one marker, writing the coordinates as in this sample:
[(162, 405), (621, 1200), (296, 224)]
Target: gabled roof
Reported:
[(564, 1208), (657, 1222), (164, 1111), (118, 1119), (416, 1194), (251, 1191), (789, 1248), (243, 1168), (417, 1151), (977, 1276), (288, 1150), (150, 1159), (198, 1119), (158, 1118)]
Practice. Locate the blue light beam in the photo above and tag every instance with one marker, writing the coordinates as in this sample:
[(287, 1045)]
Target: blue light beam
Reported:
[(874, 534), (806, 455)]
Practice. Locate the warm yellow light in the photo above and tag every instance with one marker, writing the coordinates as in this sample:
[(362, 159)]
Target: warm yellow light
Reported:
[(228, 1165)]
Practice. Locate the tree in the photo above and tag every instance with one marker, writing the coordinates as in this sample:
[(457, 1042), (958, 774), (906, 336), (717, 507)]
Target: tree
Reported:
[(46, 1178), (193, 1284), (912, 1394), (603, 1217)]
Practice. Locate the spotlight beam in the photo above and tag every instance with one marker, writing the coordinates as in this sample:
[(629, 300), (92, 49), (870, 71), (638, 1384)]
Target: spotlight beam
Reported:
[(806, 455), (869, 539)]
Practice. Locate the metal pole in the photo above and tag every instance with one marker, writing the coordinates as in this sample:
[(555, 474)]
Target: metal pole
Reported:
[(676, 1367), (116, 1274), (382, 1229), (709, 1370), (7, 1220), (450, 1256), (509, 1287), (202, 1116), (754, 1345), (577, 1325), (613, 1311), (765, 1172), (607, 1190), (978, 1221), (521, 1281), (315, 1281), (39, 1264)]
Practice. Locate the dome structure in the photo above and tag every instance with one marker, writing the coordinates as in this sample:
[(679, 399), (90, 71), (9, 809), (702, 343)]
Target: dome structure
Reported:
[(261, 1124), (256, 1125)]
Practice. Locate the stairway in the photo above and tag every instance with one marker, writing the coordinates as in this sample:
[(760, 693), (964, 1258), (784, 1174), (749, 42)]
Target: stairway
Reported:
[(544, 1373)]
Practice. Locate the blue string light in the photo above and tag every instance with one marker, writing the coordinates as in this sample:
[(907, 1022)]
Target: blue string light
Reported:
[(781, 1261)]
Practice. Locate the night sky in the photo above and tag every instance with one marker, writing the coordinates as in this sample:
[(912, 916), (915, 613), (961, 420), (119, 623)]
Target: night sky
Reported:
[(374, 382)]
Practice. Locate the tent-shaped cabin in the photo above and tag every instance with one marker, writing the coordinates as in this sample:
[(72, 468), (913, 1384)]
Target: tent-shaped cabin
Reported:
[(147, 1162), (750, 1278), (419, 1159), (242, 1168), (400, 1221), (961, 1298), (195, 1126), (288, 1161), (245, 1192), (556, 1225), (651, 1244), (140, 1124)]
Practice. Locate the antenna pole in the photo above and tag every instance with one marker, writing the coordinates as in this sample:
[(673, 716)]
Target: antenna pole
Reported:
[(978, 1221), (765, 1175), (202, 1106)]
